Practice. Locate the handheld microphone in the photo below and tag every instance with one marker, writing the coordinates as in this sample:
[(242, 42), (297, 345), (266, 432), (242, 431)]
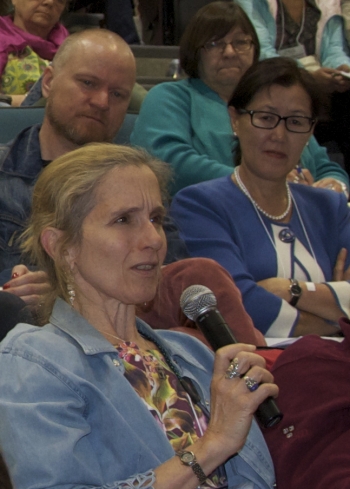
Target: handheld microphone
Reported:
[(198, 303)]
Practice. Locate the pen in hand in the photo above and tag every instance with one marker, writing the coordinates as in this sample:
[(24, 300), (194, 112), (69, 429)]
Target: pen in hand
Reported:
[(300, 172)]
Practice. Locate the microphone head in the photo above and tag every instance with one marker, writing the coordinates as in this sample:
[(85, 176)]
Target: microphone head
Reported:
[(195, 300)]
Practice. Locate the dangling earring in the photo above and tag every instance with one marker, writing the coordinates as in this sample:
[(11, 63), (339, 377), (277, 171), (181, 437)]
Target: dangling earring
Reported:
[(71, 293), (70, 287)]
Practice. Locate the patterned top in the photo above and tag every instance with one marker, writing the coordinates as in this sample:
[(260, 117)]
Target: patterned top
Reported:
[(288, 38), (22, 70), (170, 405)]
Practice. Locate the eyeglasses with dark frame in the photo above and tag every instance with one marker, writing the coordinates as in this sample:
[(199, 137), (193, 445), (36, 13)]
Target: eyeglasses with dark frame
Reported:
[(239, 45), (268, 120)]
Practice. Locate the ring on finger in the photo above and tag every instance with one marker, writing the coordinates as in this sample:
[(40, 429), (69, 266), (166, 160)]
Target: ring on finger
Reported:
[(251, 384), (232, 370)]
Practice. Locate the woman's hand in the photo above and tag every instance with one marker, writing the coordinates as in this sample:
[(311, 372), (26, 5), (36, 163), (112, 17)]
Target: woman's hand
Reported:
[(232, 403), (330, 183), (339, 272), (27, 285), (232, 408), (332, 80), (305, 177)]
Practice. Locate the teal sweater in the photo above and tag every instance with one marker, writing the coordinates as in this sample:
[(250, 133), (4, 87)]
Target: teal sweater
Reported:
[(186, 124)]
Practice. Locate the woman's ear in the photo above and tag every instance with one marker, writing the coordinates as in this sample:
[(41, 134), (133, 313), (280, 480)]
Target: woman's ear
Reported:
[(234, 118), (49, 239), (50, 242)]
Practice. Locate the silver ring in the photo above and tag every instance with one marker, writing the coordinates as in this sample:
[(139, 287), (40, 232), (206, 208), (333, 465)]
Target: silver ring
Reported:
[(232, 370), (251, 383)]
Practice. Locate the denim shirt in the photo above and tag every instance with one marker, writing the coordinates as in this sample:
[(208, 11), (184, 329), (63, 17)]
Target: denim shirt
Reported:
[(70, 419), (20, 166)]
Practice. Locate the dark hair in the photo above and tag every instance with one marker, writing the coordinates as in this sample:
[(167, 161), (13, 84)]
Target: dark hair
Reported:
[(210, 23), (277, 71)]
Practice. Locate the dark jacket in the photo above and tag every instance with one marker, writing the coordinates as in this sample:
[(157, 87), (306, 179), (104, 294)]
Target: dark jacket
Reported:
[(20, 166)]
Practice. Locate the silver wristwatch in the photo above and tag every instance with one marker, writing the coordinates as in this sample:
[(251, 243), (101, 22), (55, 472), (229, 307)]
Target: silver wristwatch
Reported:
[(188, 458)]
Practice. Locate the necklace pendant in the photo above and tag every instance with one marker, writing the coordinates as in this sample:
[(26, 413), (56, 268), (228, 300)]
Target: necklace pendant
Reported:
[(286, 235)]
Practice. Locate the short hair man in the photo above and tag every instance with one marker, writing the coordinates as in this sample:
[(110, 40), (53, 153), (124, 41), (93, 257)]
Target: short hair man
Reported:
[(88, 89)]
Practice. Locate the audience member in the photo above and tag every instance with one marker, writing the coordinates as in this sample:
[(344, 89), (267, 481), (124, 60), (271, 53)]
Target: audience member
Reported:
[(29, 39), (100, 398), (285, 245), (186, 123), (311, 31), (88, 89)]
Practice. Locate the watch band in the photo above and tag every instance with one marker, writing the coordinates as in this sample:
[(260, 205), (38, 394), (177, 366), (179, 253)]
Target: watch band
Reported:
[(188, 458), (295, 291)]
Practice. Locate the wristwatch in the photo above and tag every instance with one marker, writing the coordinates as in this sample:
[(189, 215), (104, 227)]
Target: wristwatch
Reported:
[(189, 459), (295, 291)]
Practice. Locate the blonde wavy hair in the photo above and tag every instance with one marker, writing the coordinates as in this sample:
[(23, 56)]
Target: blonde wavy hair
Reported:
[(64, 195)]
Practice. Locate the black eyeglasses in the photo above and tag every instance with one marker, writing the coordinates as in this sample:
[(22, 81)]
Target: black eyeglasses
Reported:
[(239, 45), (269, 120)]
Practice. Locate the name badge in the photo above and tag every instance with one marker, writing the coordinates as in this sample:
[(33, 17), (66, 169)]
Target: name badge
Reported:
[(295, 52)]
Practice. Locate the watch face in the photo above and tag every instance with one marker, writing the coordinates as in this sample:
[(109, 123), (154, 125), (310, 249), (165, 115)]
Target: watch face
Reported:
[(295, 289), (187, 457)]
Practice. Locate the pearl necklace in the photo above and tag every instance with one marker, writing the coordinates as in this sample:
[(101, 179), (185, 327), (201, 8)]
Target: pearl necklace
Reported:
[(257, 206)]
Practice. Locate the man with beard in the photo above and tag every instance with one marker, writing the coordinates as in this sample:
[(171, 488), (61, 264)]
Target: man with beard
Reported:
[(88, 89)]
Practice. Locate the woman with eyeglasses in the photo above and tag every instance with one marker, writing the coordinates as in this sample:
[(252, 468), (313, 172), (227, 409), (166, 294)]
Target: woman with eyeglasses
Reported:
[(285, 245), (311, 32), (186, 123)]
